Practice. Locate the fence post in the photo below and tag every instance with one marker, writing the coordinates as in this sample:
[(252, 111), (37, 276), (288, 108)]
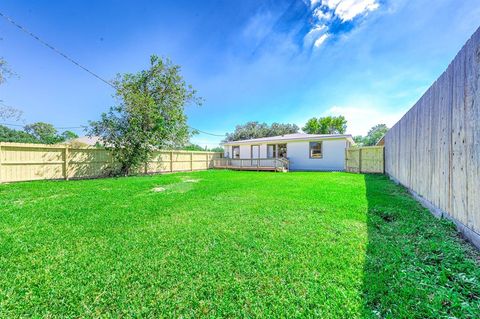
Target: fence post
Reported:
[(346, 159), (206, 160), (191, 161), (1, 162), (171, 161), (383, 152), (65, 162), (360, 160)]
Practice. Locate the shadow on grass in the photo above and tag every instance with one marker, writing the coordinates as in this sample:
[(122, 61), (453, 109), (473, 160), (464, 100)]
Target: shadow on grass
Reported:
[(416, 266)]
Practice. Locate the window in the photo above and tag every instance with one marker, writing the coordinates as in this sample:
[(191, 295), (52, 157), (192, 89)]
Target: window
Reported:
[(236, 151), (282, 150), (271, 151), (316, 150)]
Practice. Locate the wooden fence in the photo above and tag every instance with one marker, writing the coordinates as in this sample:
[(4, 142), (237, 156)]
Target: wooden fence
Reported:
[(367, 159), (26, 162), (434, 150)]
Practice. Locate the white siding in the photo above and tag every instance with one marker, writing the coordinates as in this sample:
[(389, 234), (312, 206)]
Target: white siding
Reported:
[(333, 156), (298, 152)]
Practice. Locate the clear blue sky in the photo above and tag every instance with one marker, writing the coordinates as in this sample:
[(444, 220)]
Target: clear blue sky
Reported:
[(262, 60)]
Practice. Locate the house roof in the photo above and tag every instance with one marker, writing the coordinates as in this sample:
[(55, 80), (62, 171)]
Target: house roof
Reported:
[(91, 141), (293, 137)]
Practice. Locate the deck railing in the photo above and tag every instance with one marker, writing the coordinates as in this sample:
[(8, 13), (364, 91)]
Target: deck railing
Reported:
[(274, 164)]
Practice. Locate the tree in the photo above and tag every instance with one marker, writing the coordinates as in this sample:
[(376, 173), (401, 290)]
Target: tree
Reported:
[(217, 149), (359, 139), (193, 147), (326, 125), (375, 134), (44, 132), (257, 130), (7, 112), (149, 114), (68, 135), (4, 70), (16, 136)]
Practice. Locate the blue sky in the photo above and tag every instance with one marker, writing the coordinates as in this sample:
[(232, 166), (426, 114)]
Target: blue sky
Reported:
[(251, 60)]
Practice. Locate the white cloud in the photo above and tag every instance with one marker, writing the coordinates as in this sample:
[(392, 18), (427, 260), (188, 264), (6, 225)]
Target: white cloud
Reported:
[(361, 119), (322, 15), (316, 33), (324, 11), (349, 9), (320, 40), (314, 3)]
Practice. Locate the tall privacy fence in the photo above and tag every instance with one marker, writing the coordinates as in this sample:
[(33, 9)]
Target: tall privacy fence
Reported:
[(434, 149), (26, 162), (367, 159)]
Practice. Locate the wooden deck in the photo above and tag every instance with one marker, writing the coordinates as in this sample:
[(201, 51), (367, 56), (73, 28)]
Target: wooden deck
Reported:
[(257, 164), (250, 168)]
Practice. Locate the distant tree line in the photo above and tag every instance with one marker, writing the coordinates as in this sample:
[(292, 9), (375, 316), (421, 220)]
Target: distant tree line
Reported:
[(321, 125), (374, 135), (196, 147), (38, 133), (251, 130)]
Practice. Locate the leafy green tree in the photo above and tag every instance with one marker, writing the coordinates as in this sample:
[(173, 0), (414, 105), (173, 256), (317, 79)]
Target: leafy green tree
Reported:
[(193, 147), (45, 133), (68, 135), (257, 130), (326, 125), (16, 136), (375, 134), (359, 140), (217, 149), (149, 114)]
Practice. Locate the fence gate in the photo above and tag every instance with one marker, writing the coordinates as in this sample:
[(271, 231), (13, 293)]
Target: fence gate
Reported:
[(367, 159)]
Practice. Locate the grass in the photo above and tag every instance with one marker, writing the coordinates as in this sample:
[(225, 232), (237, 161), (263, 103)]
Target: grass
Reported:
[(230, 244)]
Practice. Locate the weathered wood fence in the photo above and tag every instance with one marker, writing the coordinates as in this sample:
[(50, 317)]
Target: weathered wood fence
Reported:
[(367, 159), (26, 162), (434, 150)]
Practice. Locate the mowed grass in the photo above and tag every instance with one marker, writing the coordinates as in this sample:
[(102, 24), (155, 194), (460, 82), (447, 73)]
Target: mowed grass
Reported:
[(230, 244)]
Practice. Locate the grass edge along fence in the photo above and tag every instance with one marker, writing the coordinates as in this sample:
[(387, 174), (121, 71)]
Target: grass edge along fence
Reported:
[(28, 162), (365, 159)]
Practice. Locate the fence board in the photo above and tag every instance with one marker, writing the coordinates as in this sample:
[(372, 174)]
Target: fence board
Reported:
[(435, 148), (26, 162)]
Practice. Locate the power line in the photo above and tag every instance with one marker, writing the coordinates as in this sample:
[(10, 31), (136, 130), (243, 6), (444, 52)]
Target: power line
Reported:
[(65, 56), (207, 132), (57, 127), (51, 47), (15, 125)]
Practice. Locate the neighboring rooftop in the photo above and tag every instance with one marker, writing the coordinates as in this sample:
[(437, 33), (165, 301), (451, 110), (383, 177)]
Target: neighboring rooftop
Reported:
[(90, 141), (293, 137)]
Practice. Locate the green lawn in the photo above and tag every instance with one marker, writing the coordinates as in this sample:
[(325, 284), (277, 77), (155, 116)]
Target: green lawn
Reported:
[(230, 244)]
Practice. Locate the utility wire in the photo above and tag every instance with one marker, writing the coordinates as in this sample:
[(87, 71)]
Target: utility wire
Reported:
[(57, 127), (51, 47)]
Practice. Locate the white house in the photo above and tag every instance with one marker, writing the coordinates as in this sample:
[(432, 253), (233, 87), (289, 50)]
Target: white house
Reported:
[(307, 152)]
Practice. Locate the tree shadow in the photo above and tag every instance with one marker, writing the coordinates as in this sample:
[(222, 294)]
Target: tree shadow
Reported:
[(416, 266)]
